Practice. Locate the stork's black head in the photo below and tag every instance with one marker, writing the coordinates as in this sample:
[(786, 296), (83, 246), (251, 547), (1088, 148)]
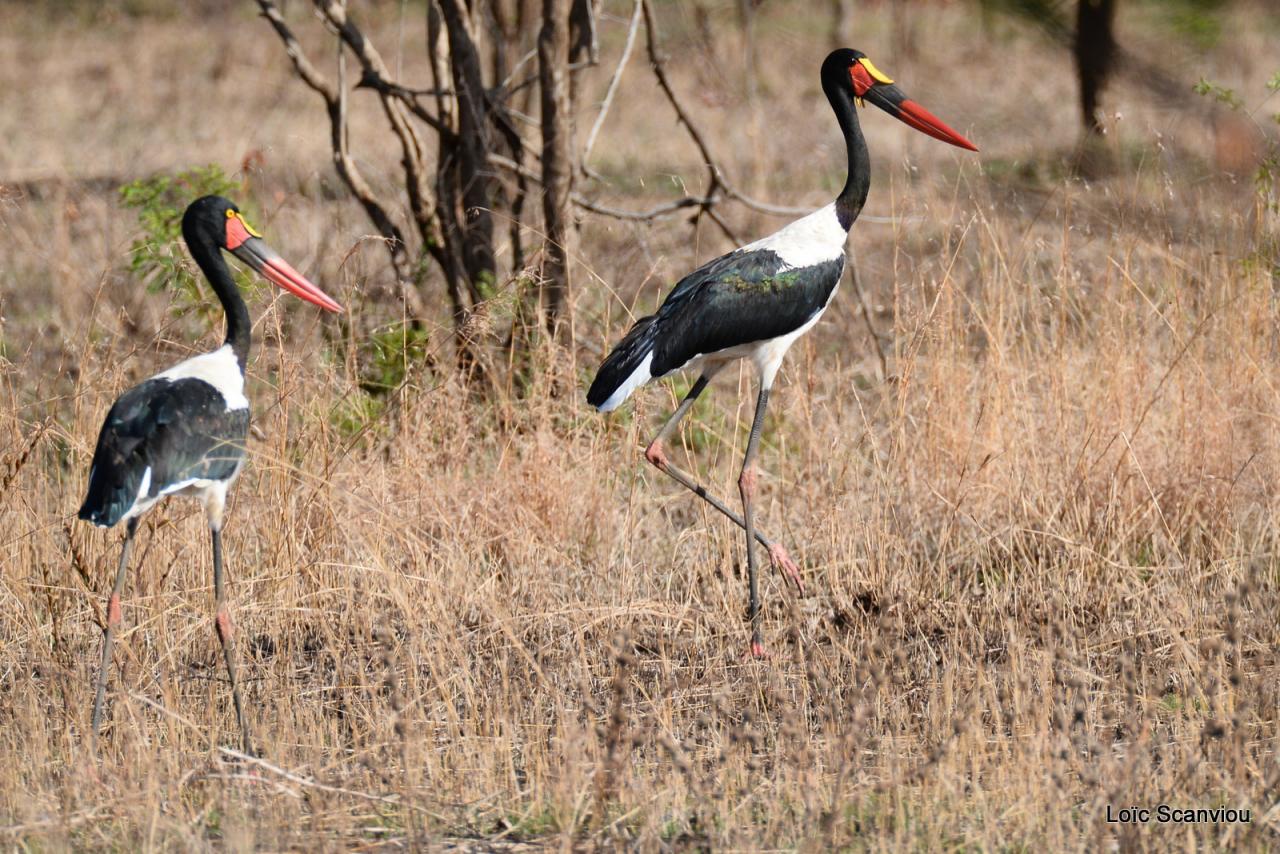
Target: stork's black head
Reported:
[(848, 73), (835, 68), (211, 223), (205, 221)]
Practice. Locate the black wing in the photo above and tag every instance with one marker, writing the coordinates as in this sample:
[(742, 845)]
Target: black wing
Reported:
[(745, 296), (739, 298), (179, 429)]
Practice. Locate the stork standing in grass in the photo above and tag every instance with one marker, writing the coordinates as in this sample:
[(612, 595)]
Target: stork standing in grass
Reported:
[(754, 303), (182, 432)]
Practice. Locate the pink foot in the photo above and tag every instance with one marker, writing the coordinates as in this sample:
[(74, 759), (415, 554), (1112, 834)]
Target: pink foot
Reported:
[(656, 455), (757, 650), (783, 563)]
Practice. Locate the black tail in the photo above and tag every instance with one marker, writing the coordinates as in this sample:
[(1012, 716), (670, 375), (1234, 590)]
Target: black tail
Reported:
[(621, 365), (106, 501)]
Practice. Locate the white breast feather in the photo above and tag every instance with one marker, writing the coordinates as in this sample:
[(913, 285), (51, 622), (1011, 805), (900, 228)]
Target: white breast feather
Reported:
[(810, 240), (219, 369)]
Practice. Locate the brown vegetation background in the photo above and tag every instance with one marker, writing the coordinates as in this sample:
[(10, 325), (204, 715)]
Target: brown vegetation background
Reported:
[(1041, 553)]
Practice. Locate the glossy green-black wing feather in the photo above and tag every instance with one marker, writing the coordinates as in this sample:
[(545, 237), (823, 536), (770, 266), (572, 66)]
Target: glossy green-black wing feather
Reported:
[(746, 296)]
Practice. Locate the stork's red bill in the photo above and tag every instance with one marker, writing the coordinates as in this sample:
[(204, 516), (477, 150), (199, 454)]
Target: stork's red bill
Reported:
[(247, 245), (871, 84)]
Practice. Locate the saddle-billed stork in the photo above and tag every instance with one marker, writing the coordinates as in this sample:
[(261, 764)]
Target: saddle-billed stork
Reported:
[(182, 432), (757, 300)]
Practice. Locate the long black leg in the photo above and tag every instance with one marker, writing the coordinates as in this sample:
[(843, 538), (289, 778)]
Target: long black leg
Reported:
[(113, 620), (747, 486), (222, 620), (657, 455)]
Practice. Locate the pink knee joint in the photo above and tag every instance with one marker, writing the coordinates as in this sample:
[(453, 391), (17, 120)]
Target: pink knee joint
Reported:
[(656, 455), (223, 621)]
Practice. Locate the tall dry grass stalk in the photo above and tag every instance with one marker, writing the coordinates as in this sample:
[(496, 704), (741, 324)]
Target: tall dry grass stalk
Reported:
[(1041, 555)]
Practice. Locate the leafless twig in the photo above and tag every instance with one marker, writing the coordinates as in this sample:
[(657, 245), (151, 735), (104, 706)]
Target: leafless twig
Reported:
[(392, 106), (613, 88), (313, 784), (717, 178), (658, 212), (342, 159)]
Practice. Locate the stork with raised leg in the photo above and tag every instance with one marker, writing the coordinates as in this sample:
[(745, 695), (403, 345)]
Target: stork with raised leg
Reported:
[(754, 303), (182, 432)]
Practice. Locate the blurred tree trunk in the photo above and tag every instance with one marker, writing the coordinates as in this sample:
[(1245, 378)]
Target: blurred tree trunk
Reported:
[(747, 21), (904, 31), (506, 34), (1095, 50), (557, 167), (584, 48), (841, 23), (472, 225), (584, 41)]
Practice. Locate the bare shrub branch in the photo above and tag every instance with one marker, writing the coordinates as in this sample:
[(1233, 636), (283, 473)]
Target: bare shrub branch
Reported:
[(342, 160)]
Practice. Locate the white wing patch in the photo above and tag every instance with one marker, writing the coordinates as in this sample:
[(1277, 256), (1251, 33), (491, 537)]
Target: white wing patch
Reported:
[(202, 488), (639, 377), (192, 483), (219, 369), (810, 240)]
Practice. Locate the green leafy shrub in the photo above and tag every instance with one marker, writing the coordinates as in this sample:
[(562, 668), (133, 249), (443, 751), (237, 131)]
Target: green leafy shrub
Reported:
[(1227, 97), (386, 357), (1197, 21), (391, 352)]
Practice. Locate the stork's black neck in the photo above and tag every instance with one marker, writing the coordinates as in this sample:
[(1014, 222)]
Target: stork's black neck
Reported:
[(209, 256), (854, 195)]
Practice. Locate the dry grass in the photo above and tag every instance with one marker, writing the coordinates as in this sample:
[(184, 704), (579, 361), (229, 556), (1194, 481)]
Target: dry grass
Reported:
[(1041, 556)]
